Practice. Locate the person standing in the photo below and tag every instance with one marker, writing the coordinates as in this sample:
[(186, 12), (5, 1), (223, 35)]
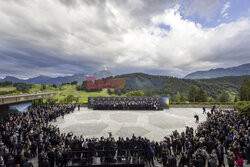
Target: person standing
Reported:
[(204, 110), (51, 157), (172, 161), (239, 161), (196, 118), (62, 114), (231, 159), (248, 153), (213, 109)]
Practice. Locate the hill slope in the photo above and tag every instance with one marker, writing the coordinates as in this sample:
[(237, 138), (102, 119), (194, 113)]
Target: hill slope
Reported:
[(172, 85), (220, 72)]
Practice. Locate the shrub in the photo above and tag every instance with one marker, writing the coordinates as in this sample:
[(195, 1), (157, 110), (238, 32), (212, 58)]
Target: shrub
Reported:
[(7, 92), (70, 99), (51, 100), (243, 107)]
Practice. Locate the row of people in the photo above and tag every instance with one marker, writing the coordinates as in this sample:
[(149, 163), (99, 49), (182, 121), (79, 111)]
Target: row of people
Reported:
[(125, 105)]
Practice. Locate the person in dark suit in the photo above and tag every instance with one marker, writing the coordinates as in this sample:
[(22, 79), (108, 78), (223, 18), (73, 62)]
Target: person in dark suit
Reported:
[(172, 161), (51, 156), (10, 162), (204, 110)]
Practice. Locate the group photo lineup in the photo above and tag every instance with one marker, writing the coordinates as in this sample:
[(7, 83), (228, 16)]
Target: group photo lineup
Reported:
[(124, 83)]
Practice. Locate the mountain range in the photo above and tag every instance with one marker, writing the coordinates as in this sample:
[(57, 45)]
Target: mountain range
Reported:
[(243, 69), (59, 80)]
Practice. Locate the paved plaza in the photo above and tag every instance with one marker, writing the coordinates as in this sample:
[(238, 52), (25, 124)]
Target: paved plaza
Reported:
[(154, 125)]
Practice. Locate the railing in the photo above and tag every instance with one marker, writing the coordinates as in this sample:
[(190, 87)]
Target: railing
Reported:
[(26, 97), (114, 157)]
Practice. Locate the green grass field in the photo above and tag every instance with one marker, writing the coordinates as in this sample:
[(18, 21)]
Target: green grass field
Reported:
[(65, 90), (7, 88)]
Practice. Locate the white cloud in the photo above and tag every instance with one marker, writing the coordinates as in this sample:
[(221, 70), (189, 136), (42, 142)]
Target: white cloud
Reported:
[(204, 8), (225, 7), (224, 10), (225, 15), (50, 36)]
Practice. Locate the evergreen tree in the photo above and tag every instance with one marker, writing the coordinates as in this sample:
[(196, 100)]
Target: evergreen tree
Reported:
[(109, 92), (116, 91), (178, 97), (192, 93), (169, 97), (245, 90), (43, 87), (182, 99), (123, 91), (211, 99), (202, 95), (119, 93), (22, 87), (223, 97), (53, 85), (235, 99), (73, 83)]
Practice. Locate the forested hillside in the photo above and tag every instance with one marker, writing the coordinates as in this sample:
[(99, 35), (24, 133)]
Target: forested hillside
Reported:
[(172, 86), (217, 89)]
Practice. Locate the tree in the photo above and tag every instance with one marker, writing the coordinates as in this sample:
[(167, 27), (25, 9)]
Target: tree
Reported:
[(6, 83), (211, 99), (53, 85), (182, 99), (119, 93), (178, 97), (116, 91), (223, 97), (43, 87), (70, 99), (22, 87), (148, 92), (123, 91), (169, 97), (73, 83), (245, 90), (109, 92), (235, 99), (135, 93), (201, 95), (192, 93), (51, 100), (243, 107)]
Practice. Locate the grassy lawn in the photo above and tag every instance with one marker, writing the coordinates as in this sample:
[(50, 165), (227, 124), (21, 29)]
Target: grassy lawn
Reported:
[(7, 88), (66, 90)]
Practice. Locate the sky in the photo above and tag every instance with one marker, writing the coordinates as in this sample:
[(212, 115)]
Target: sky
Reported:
[(163, 37)]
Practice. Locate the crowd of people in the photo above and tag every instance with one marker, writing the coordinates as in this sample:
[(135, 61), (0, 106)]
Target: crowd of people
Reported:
[(23, 136), (127, 105)]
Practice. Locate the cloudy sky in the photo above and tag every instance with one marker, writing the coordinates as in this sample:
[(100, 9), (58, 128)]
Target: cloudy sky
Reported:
[(166, 37)]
